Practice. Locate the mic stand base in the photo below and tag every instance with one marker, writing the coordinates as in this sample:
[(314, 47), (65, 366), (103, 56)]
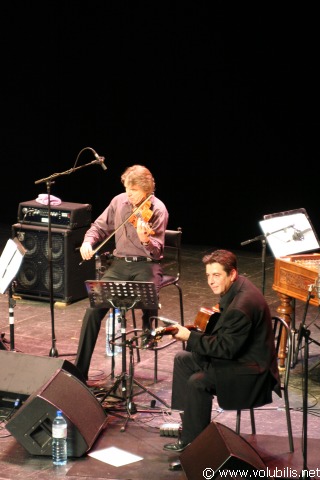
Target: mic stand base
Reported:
[(53, 352)]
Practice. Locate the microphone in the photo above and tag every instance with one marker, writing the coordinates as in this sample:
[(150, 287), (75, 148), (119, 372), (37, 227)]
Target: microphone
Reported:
[(99, 159), (298, 235)]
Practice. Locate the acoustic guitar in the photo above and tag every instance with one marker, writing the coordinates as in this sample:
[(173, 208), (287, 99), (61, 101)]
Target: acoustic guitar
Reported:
[(205, 322)]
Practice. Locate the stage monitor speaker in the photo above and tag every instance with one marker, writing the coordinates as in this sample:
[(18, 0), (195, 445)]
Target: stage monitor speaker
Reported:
[(218, 448), (23, 374), (31, 425), (69, 273)]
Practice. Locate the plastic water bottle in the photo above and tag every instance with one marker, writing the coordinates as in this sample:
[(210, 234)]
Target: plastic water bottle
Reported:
[(59, 440), (113, 349)]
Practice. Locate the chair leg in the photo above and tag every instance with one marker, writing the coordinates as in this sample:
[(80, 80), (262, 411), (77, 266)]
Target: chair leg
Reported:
[(289, 426), (181, 311), (238, 422), (253, 423)]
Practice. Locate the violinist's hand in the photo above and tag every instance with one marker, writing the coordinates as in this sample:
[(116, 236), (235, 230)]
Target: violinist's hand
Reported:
[(86, 251), (143, 230), (183, 333)]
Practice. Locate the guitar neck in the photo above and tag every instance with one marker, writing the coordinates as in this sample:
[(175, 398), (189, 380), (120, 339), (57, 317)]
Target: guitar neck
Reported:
[(172, 330)]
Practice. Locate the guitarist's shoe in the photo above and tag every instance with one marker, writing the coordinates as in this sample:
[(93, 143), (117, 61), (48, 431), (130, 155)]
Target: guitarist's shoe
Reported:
[(174, 466), (179, 446)]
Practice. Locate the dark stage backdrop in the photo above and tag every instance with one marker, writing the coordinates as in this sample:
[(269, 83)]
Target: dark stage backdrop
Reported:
[(219, 99)]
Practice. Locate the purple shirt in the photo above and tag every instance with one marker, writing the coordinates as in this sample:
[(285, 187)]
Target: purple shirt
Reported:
[(126, 238)]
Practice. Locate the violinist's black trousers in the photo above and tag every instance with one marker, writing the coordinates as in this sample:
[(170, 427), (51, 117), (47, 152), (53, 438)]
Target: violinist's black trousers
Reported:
[(119, 270)]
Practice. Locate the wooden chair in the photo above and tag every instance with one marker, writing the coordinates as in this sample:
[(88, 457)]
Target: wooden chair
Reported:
[(280, 328)]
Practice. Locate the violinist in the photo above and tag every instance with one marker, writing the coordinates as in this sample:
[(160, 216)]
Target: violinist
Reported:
[(139, 245)]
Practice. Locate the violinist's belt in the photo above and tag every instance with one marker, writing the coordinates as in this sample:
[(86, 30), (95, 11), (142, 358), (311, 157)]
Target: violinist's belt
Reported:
[(136, 259)]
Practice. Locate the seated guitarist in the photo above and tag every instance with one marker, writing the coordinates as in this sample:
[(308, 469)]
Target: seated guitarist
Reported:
[(236, 361)]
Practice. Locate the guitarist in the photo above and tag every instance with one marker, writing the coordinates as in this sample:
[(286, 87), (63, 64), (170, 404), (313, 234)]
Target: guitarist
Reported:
[(236, 361)]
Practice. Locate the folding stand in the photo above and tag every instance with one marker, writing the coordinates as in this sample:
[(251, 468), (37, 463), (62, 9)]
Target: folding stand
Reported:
[(10, 262), (125, 295)]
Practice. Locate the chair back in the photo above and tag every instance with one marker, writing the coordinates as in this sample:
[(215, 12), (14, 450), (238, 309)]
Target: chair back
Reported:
[(171, 263)]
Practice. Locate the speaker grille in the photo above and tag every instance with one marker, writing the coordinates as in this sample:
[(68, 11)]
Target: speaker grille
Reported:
[(31, 425), (220, 449), (33, 278)]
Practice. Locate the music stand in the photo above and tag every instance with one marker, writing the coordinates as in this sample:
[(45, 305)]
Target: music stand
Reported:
[(10, 262), (125, 295), (289, 232)]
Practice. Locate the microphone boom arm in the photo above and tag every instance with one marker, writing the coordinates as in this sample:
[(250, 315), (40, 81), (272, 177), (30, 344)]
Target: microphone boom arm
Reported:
[(67, 172)]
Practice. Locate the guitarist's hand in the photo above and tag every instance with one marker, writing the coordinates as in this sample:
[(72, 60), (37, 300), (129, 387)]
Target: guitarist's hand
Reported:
[(182, 334)]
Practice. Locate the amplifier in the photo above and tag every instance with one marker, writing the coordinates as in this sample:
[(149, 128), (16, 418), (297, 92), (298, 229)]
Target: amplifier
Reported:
[(66, 215)]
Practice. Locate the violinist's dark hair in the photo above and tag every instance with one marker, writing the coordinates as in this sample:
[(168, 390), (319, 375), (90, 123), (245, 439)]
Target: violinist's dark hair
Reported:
[(141, 176), (227, 259)]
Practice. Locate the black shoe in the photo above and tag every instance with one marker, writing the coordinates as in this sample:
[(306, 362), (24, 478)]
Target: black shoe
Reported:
[(179, 446), (174, 466)]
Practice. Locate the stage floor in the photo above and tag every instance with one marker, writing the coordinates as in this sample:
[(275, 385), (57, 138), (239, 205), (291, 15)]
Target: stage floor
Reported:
[(139, 434)]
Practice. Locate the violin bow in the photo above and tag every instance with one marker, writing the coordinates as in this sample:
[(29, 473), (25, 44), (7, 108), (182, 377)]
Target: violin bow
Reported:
[(120, 226)]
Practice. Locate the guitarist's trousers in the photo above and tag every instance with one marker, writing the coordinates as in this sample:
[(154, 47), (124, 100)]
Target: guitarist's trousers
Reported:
[(193, 387)]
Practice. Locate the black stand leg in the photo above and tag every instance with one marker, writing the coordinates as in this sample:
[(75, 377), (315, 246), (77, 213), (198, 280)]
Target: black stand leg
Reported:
[(127, 380), (263, 261), (305, 334), (301, 332), (12, 304), (53, 351)]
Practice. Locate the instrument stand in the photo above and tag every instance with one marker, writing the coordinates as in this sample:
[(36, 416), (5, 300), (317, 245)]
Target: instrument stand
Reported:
[(302, 328), (125, 295), (305, 333), (12, 304), (317, 343), (10, 262)]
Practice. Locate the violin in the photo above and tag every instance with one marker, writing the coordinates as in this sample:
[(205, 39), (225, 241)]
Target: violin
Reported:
[(145, 213), (205, 321)]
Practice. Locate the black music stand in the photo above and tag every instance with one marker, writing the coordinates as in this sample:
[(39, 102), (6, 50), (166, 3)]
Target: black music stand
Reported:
[(125, 295), (289, 232), (10, 262)]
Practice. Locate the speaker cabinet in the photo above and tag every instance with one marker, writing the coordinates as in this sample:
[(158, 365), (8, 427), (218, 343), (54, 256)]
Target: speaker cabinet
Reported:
[(31, 425), (33, 278), (23, 374), (218, 448)]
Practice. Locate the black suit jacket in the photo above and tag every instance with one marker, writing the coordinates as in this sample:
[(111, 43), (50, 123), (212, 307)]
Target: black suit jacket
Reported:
[(241, 349)]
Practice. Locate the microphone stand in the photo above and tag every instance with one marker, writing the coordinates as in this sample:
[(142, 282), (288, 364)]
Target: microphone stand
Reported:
[(263, 239), (305, 471), (49, 181), (263, 256)]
